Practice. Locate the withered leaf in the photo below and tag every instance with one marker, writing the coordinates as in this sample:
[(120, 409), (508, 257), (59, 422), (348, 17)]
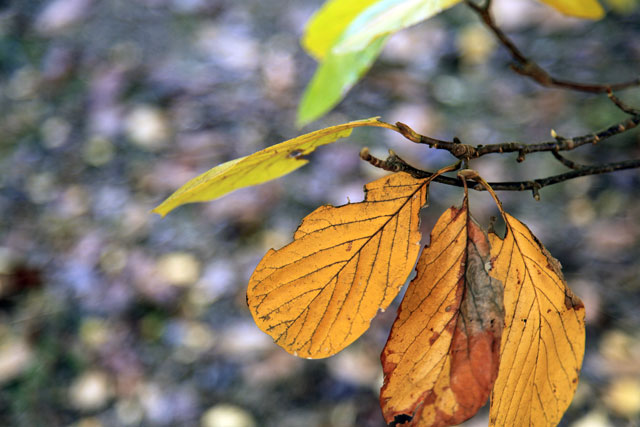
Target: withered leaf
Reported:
[(319, 293), (442, 356)]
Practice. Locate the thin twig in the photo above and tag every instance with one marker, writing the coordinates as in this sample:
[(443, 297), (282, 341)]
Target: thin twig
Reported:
[(621, 105), (485, 13), (568, 163), (395, 163), (531, 69), (560, 144), (466, 151)]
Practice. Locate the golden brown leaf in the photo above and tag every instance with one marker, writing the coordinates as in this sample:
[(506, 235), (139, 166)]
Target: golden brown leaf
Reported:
[(319, 293), (442, 355), (544, 333)]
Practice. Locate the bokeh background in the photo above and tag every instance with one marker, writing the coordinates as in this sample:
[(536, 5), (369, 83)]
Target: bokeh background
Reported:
[(111, 316)]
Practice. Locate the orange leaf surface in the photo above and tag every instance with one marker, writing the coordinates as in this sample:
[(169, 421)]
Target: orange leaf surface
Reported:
[(544, 333), (318, 294), (442, 355)]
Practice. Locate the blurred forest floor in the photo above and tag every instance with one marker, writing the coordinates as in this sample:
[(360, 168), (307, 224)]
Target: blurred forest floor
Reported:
[(110, 316)]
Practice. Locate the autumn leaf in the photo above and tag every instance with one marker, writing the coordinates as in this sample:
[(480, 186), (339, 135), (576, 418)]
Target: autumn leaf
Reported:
[(586, 9), (346, 37), (319, 293), (326, 25), (257, 168), (333, 78), (544, 334), (336, 74), (387, 17), (442, 355)]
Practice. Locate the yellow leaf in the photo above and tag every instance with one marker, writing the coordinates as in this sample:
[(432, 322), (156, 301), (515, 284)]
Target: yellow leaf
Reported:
[(318, 294), (543, 339), (326, 25), (387, 17), (586, 9), (262, 166), (442, 355), (346, 37)]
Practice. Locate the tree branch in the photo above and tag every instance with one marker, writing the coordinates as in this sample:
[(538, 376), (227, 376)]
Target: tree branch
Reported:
[(465, 151), (568, 163), (394, 163), (622, 106), (560, 143), (531, 69)]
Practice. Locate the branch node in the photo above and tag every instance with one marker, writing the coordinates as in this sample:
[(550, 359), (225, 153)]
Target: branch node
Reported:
[(533, 70), (408, 133), (461, 151), (365, 154), (521, 156), (468, 174), (563, 143), (389, 164), (535, 190), (393, 163)]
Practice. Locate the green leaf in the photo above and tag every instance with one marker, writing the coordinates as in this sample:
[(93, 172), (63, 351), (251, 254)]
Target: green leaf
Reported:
[(586, 9), (347, 37), (265, 165), (328, 23), (333, 79), (387, 17)]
